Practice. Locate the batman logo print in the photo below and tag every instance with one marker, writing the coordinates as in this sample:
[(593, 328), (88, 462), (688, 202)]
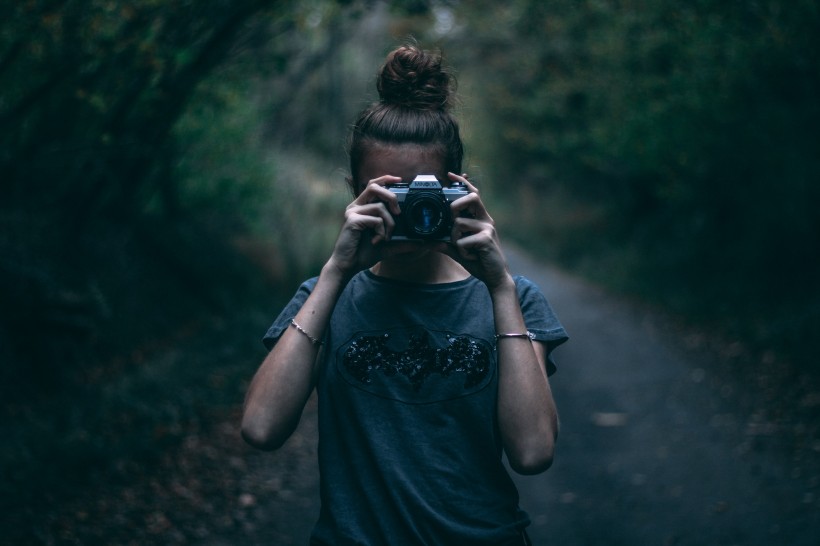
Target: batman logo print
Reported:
[(416, 366)]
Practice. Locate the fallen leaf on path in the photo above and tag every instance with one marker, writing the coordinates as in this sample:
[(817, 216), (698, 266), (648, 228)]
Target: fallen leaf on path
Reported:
[(609, 419)]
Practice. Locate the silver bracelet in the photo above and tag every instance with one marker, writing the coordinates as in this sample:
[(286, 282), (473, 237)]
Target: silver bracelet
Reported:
[(304, 332), (527, 334)]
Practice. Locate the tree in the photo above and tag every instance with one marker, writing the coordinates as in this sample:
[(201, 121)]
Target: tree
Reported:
[(91, 91)]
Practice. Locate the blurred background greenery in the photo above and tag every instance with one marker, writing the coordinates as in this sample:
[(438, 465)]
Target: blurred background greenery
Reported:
[(166, 162)]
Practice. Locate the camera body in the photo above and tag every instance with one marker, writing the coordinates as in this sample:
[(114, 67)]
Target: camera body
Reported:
[(425, 208)]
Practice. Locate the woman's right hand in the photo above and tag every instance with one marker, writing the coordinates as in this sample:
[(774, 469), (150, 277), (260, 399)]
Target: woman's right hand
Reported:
[(368, 223)]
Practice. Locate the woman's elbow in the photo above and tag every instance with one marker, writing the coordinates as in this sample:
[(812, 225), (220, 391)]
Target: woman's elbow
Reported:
[(260, 437), (534, 457), (532, 463)]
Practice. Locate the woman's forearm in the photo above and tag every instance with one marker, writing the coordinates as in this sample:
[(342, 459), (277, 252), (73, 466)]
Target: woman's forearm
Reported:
[(283, 383), (526, 410)]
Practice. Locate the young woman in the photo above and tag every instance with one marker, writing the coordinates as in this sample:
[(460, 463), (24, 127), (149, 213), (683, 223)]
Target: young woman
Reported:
[(429, 358)]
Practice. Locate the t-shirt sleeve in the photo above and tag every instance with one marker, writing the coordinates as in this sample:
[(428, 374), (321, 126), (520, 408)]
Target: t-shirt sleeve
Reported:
[(283, 320), (540, 319)]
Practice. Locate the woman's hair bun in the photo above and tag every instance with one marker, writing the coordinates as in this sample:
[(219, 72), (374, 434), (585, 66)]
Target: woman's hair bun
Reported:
[(414, 78)]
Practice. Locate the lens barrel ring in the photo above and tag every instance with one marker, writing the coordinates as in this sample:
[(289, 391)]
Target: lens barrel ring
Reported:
[(426, 214)]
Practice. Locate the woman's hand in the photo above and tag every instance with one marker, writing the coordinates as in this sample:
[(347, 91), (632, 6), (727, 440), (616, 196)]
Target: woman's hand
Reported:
[(368, 223), (474, 240)]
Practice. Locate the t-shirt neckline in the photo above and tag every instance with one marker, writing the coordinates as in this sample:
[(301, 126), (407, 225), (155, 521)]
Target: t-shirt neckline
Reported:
[(419, 285)]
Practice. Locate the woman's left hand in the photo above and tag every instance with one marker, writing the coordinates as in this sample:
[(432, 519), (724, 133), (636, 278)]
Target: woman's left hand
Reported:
[(474, 240)]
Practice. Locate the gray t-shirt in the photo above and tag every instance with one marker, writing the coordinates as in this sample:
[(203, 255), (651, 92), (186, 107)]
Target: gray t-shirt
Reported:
[(409, 446)]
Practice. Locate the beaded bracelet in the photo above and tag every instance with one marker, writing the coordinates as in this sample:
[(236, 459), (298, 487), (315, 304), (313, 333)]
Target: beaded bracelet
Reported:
[(527, 334), (304, 332)]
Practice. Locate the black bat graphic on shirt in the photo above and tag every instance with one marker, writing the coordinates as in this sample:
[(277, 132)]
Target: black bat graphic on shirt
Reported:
[(369, 354)]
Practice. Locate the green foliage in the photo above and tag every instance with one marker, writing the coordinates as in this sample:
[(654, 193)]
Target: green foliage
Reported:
[(684, 137), (222, 166), (91, 91)]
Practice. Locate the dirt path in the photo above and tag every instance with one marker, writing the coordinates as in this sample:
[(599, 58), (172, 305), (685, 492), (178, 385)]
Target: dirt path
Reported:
[(653, 450)]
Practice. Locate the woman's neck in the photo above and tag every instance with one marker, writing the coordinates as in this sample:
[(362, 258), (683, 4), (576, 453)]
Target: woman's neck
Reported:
[(433, 268)]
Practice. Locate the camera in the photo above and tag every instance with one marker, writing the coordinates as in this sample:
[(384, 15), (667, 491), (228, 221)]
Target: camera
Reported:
[(425, 208)]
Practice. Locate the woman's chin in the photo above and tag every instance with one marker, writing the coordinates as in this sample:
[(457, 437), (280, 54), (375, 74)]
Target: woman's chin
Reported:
[(411, 251)]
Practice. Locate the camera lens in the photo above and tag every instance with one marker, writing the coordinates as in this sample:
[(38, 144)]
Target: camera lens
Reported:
[(426, 215)]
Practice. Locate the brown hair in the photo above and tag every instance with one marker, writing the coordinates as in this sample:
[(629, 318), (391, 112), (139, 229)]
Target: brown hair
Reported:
[(415, 97)]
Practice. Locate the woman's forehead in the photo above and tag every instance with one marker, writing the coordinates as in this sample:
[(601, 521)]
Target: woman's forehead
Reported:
[(402, 160)]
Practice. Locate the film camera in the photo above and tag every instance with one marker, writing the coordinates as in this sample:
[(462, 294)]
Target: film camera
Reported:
[(425, 208)]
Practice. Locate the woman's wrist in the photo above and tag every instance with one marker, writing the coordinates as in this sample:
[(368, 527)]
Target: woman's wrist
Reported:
[(503, 286), (332, 273), (312, 318), (506, 308)]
